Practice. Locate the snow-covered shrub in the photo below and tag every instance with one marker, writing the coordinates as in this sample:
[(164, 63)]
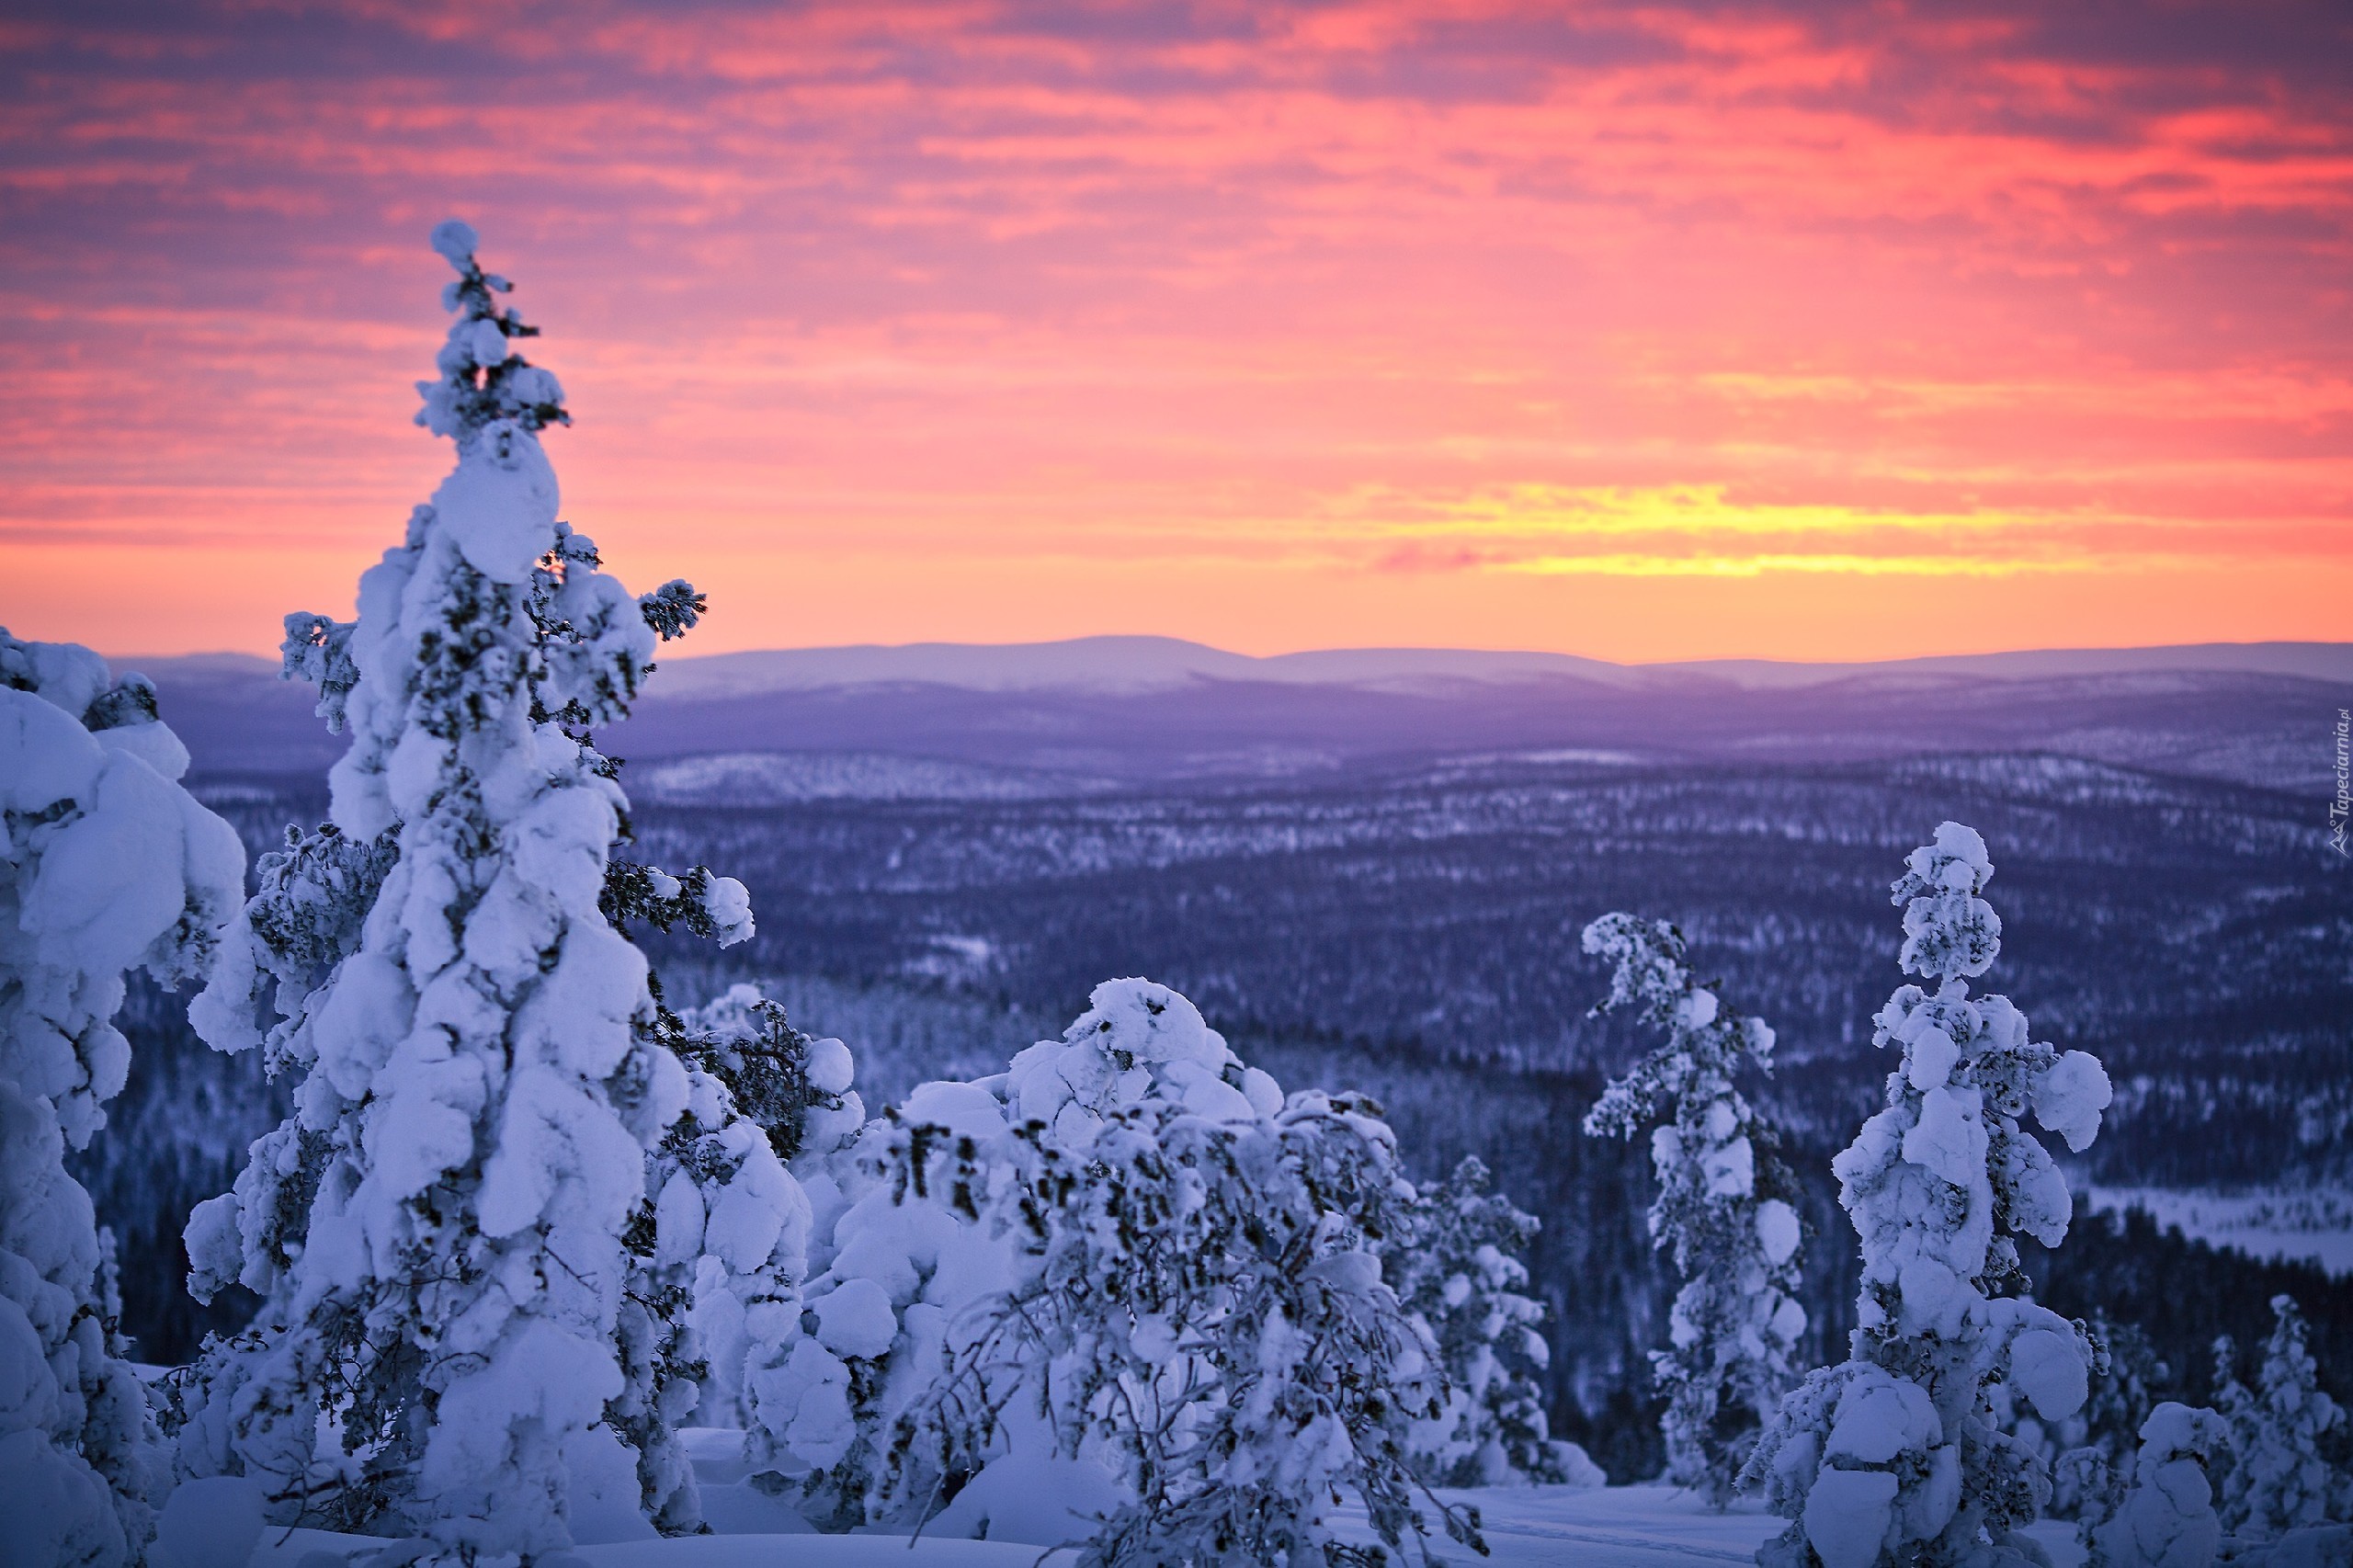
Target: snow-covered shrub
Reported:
[(2281, 1480), (437, 1230), (1196, 1304), (1455, 1265), (2160, 1514), (823, 1375), (1725, 1204), (796, 1091), (716, 1196), (2100, 1438), (1893, 1456), (897, 1260), (721, 1240), (105, 864), (1126, 1291)]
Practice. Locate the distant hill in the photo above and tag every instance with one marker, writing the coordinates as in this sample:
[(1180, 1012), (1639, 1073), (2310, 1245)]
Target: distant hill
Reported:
[(1034, 719), (1133, 666)]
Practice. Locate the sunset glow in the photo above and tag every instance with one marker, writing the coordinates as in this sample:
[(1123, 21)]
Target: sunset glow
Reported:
[(1793, 329)]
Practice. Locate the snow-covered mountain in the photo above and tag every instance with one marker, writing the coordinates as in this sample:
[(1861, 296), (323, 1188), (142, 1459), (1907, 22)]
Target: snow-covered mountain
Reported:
[(1124, 666), (1130, 665), (1063, 717)]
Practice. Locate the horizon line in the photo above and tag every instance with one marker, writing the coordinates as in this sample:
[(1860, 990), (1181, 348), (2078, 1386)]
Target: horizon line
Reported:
[(1136, 637)]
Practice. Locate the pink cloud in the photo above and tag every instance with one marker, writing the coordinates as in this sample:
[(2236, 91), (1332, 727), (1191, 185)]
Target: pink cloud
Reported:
[(1056, 284)]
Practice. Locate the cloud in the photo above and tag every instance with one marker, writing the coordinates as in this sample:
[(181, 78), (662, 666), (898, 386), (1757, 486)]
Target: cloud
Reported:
[(2006, 286)]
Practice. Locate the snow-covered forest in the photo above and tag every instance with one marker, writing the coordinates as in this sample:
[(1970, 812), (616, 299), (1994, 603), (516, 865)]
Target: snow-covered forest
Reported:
[(548, 1260)]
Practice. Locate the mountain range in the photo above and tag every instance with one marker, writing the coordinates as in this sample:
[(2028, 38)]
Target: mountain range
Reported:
[(958, 721)]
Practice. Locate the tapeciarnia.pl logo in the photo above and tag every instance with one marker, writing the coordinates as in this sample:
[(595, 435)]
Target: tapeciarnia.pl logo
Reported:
[(2342, 807)]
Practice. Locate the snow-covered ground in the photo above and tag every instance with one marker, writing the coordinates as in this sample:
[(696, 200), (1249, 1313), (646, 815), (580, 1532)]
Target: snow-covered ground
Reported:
[(1525, 1527), (1616, 1527), (2314, 1224), (768, 779)]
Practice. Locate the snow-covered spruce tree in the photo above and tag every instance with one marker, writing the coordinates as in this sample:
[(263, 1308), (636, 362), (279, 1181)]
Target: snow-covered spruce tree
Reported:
[(303, 920), (1892, 1456), (105, 864), (1455, 1265), (2281, 1480), (1724, 1207), (481, 1075), (2159, 1511), (1196, 1304)]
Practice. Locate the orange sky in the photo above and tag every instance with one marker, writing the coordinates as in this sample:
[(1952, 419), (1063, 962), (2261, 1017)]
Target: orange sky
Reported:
[(1648, 330)]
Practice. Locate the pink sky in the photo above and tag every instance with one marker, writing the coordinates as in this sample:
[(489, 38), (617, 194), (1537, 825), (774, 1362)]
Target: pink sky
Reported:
[(1648, 332)]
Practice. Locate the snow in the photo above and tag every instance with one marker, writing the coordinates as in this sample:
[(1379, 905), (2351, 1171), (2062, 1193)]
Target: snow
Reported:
[(54, 1508), (2311, 1223), (322, 1549), (454, 240), (830, 1066), (2069, 1098), (729, 903), (1879, 1417), (763, 778), (1525, 1527), (215, 1522), (856, 1319), (1847, 1513), (1777, 1231), (1036, 1499), (2047, 1368)]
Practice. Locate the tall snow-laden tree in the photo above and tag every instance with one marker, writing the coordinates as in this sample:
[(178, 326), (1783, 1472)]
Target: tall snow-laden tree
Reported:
[(2281, 1480), (438, 1231), (1893, 1456), (105, 864), (1724, 1208)]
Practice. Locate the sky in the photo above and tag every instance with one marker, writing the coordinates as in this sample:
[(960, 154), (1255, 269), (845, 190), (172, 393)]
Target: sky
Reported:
[(1795, 329)]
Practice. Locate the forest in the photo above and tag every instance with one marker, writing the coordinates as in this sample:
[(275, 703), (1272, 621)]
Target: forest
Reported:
[(1415, 935)]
